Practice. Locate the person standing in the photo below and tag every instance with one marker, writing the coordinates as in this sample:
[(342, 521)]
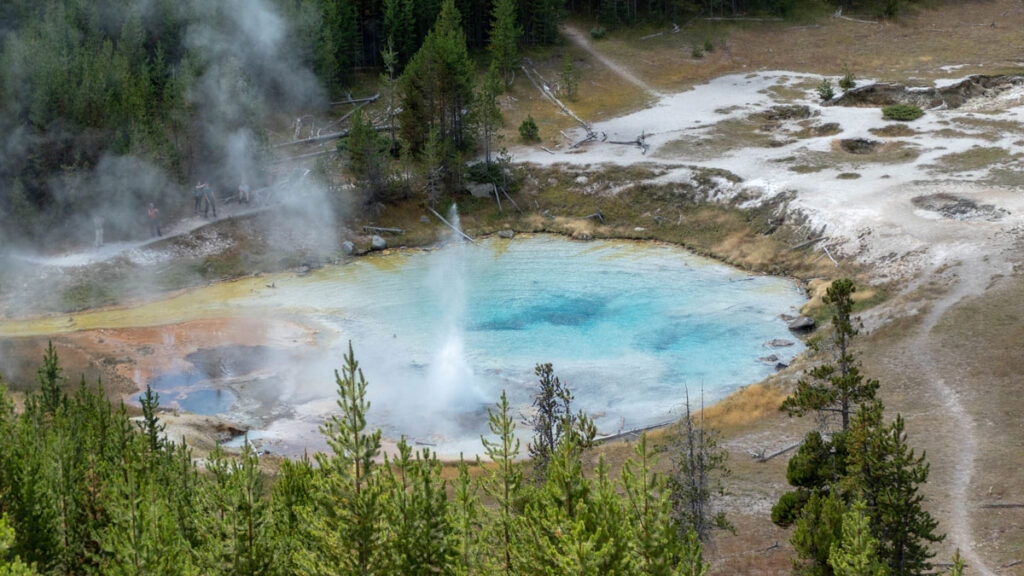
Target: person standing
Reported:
[(208, 195), (197, 193), (154, 221), (97, 225)]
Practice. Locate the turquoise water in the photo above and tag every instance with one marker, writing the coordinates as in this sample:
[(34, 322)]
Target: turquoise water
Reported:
[(441, 333)]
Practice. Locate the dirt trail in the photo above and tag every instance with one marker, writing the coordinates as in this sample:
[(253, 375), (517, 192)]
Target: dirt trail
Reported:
[(972, 278), (579, 38)]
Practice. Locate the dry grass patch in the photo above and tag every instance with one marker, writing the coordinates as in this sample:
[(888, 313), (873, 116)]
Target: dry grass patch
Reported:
[(894, 131), (977, 158)]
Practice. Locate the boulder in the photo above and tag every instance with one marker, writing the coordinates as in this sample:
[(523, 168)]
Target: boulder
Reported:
[(506, 234), (480, 189), (378, 243), (348, 248), (801, 324), (779, 343), (769, 359)]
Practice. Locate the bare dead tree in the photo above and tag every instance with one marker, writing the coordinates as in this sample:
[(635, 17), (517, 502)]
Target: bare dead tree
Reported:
[(697, 473)]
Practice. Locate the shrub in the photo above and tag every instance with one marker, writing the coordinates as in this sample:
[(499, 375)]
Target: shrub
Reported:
[(598, 33), (697, 52), (708, 45), (825, 91), (528, 130), (904, 112), (848, 81)]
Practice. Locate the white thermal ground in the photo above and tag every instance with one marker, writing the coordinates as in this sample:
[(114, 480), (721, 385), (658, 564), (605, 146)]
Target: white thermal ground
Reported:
[(870, 218)]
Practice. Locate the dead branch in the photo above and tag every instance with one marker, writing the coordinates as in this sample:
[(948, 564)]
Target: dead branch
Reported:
[(839, 14), (505, 192), (829, 254), (546, 150), (741, 19), (449, 224), (596, 215), (1002, 506), (496, 196)]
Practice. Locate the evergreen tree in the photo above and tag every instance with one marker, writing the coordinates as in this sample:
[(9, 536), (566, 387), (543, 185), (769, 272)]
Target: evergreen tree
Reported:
[(11, 566), (466, 523), (658, 550), (553, 422), (903, 528), (346, 517), (504, 483), (818, 529), (51, 381), (365, 148), (570, 78), (488, 114), (856, 554), (835, 388), (151, 426), (438, 88), (505, 35)]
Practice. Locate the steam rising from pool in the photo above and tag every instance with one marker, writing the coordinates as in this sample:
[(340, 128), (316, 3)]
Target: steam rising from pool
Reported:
[(440, 333)]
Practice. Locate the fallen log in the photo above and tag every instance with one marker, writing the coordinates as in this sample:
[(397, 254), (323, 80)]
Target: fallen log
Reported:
[(449, 224), (767, 457), (380, 229), (505, 192), (633, 431), (325, 137), (807, 243), (1002, 506), (546, 150), (596, 215), (351, 100)]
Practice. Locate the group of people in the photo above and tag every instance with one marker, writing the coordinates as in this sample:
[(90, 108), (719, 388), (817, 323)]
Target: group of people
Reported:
[(203, 198)]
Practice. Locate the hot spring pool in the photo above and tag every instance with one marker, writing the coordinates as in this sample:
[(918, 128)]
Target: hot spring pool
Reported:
[(441, 333)]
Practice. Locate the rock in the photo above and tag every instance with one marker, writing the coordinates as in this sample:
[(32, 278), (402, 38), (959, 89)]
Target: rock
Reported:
[(348, 248), (581, 180), (779, 343), (480, 189), (781, 365), (639, 229), (802, 323), (506, 234), (769, 359), (378, 243), (424, 219), (858, 145)]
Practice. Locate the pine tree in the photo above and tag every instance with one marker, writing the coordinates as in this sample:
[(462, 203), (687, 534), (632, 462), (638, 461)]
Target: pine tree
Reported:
[(505, 35), (488, 114), (835, 388), (366, 155), (151, 426), (554, 421), (345, 519), (51, 381), (657, 548), (570, 78), (11, 566), (856, 554), (465, 521), (817, 530), (903, 527), (504, 483)]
